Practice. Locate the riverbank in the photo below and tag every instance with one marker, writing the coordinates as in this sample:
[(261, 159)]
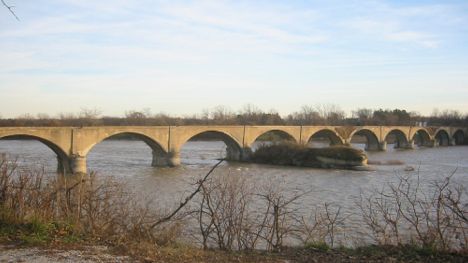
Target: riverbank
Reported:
[(236, 221), (175, 254)]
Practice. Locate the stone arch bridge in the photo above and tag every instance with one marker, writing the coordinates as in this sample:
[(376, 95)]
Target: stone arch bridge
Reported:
[(72, 144)]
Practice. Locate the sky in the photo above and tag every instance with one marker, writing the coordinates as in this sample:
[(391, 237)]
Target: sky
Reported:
[(180, 57)]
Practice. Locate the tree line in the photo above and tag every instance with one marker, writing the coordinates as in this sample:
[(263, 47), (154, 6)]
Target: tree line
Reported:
[(323, 114)]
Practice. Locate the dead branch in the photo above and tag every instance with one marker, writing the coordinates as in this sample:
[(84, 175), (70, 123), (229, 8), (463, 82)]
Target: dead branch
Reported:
[(10, 8), (190, 197)]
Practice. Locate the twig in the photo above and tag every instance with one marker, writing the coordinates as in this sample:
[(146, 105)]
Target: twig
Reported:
[(190, 197), (10, 8)]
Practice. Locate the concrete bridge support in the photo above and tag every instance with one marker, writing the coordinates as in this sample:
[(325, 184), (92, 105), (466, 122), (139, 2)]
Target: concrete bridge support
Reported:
[(374, 146), (173, 158), (78, 164), (433, 143), (452, 142), (245, 154), (160, 159), (403, 145), (410, 145), (63, 166), (382, 146), (233, 154)]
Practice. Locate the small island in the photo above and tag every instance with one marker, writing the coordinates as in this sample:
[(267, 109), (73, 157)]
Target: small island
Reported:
[(292, 154)]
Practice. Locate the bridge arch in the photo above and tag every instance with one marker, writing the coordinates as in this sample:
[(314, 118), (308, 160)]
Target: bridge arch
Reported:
[(458, 137), (153, 144), (159, 155), (273, 135), (332, 136), (233, 147), (397, 137), (371, 139), (421, 137), (63, 161), (442, 137)]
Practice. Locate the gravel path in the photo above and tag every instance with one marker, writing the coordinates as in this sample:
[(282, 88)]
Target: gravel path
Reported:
[(40, 255)]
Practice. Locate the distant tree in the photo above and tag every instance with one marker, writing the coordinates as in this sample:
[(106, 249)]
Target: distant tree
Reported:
[(88, 117), (43, 116), (135, 115), (221, 114), (89, 113), (363, 116)]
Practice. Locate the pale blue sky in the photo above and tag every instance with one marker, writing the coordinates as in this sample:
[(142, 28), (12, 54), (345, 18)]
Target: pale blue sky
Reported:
[(181, 57)]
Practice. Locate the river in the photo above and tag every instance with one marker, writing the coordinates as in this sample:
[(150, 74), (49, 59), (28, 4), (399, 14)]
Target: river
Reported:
[(129, 162)]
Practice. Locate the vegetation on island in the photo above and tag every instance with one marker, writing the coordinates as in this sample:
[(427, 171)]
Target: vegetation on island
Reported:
[(294, 154)]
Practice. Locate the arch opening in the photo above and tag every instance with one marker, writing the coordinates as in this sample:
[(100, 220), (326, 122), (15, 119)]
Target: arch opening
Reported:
[(421, 138), (272, 137), (34, 152), (324, 138), (207, 146), (397, 138), (442, 138), (124, 151), (365, 139), (459, 137)]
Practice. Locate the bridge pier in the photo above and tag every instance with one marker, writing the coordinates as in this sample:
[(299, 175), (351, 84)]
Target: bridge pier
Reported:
[(233, 154), (383, 146), (404, 145), (78, 164), (370, 146), (63, 166), (347, 142), (452, 142), (245, 154), (238, 154), (433, 143), (410, 145), (160, 159), (173, 159)]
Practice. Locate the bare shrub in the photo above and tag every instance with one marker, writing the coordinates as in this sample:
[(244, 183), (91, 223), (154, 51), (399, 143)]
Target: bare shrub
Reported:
[(431, 216), (322, 226), (235, 214), (222, 216), (90, 207), (229, 218)]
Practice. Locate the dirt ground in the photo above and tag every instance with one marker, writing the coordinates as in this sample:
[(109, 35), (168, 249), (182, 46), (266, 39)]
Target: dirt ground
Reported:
[(44, 255)]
